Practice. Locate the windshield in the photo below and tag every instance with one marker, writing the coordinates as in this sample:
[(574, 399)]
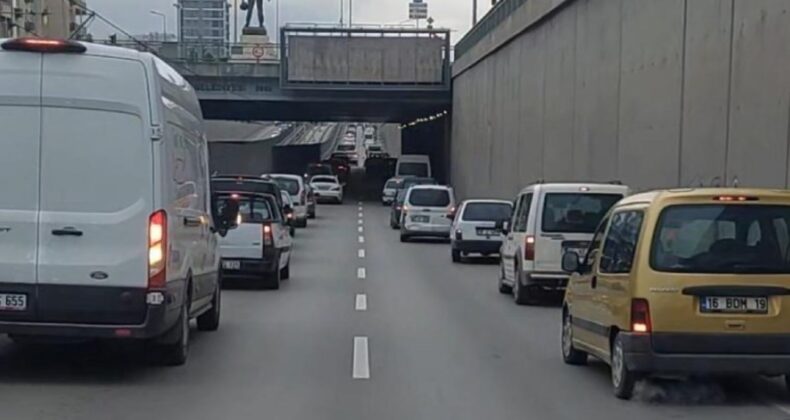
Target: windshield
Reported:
[(576, 212), (429, 198), (327, 179), (485, 212), (413, 168), (723, 239), (391, 184), (289, 185), (251, 209), (346, 148)]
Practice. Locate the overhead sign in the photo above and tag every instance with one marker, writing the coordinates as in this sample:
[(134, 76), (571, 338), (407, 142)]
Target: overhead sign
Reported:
[(418, 10)]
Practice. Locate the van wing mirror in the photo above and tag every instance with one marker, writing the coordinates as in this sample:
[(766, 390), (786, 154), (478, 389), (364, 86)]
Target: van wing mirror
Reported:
[(225, 218), (570, 262), (506, 227)]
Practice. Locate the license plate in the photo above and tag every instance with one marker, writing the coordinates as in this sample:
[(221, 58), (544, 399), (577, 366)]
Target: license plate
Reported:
[(231, 265), (13, 302), (732, 304), (421, 219), (487, 232)]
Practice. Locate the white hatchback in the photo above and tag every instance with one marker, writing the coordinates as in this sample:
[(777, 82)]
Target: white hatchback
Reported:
[(425, 212), (477, 227)]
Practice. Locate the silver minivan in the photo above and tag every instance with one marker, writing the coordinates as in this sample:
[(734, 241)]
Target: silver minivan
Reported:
[(425, 212)]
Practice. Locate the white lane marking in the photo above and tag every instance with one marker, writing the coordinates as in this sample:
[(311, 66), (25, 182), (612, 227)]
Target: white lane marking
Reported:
[(361, 253), (360, 215), (360, 221), (360, 229), (361, 368), (360, 203), (361, 303), (361, 273), (361, 239)]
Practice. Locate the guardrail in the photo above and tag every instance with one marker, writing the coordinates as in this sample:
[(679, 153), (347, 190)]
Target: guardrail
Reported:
[(488, 23), (197, 52)]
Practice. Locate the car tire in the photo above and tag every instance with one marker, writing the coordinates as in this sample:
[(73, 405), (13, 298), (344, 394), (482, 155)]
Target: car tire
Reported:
[(273, 280), (393, 225), (285, 273), (404, 238), (292, 231), (623, 380), (521, 293), (456, 255), (570, 355), (503, 288), (209, 321), (177, 353), (301, 223)]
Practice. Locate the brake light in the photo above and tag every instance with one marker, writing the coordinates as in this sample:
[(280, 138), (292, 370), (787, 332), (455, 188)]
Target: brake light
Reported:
[(451, 212), (529, 248), (268, 239), (734, 198), (157, 250), (405, 209), (43, 45), (640, 316), (303, 197)]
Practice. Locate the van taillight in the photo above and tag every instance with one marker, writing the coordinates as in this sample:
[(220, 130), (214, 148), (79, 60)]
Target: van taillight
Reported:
[(268, 238), (640, 316), (43, 45), (157, 250), (529, 248)]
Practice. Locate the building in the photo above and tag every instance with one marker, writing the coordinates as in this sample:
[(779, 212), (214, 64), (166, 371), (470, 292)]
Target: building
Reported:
[(6, 18), (204, 21), (48, 18)]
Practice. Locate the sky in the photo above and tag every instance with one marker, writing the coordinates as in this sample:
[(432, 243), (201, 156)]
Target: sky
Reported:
[(135, 17)]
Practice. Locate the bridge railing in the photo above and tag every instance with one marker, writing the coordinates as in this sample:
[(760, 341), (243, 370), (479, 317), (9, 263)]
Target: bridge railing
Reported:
[(202, 52), (376, 57)]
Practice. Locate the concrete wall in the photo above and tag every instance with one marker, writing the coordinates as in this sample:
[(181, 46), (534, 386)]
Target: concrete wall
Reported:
[(655, 93)]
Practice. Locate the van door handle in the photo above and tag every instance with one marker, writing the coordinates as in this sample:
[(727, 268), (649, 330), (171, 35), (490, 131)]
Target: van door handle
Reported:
[(67, 231), (192, 221), (594, 282)]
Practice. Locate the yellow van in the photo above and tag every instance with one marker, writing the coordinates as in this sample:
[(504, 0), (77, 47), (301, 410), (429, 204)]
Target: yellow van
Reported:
[(683, 282)]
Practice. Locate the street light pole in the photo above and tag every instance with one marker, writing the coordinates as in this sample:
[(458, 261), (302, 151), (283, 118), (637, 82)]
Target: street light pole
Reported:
[(474, 12), (164, 23), (350, 13)]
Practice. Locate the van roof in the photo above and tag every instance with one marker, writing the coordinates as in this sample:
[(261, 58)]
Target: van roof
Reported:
[(577, 186), (694, 194)]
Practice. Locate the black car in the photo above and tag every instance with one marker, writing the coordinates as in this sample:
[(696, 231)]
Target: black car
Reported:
[(229, 183)]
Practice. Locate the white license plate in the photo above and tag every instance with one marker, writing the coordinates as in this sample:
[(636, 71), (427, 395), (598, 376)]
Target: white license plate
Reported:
[(13, 302), (733, 304), (231, 265), (487, 232), (421, 219)]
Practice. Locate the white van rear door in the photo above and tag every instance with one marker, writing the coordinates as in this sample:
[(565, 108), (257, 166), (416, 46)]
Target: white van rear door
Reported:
[(97, 173), (20, 140)]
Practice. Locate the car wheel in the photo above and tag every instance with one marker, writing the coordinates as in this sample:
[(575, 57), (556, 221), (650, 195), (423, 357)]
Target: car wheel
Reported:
[(456, 254), (522, 295), (393, 225), (570, 355), (274, 280), (404, 238), (292, 231), (209, 321), (503, 288), (623, 380), (285, 273), (176, 354), (301, 223)]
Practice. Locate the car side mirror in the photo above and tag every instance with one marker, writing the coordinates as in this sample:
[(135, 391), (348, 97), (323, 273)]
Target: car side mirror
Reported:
[(506, 227), (226, 219), (570, 262)]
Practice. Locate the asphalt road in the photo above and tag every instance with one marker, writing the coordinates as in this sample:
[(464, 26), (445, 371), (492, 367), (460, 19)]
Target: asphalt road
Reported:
[(441, 342)]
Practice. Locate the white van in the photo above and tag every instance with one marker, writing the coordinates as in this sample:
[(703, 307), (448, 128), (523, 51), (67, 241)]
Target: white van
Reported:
[(427, 212), (414, 165), (295, 186), (549, 220), (106, 226)]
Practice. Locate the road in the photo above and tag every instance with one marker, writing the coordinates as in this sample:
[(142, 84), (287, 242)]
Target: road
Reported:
[(442, 343)]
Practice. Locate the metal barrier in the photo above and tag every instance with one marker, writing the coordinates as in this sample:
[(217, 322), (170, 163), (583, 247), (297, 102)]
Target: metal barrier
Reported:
[(488, 23)]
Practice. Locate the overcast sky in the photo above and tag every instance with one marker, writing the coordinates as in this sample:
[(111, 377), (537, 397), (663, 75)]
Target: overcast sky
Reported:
[(135, 17)]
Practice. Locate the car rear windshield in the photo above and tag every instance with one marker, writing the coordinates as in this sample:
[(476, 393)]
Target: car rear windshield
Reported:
[(413, 168), (487, 212), (319, 170), (410, 182), (251, 209), (576, 212), (288, 184), (346, 147), (328, 179), (391, 184), (714, 238), (429, 198)]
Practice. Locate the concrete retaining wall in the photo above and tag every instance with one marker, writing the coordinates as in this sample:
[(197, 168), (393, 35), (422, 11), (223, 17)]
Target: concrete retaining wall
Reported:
[(655, 93)]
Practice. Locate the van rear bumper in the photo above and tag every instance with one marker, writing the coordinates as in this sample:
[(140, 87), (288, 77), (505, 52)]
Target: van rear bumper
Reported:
[(769, 354), (482, 246), (547, 281)]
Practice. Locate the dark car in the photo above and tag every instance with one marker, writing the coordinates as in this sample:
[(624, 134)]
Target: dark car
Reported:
[(314, 169), (341, 166), (230, 183)]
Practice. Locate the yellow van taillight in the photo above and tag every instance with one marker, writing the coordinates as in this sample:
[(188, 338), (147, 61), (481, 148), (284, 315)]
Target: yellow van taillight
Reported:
[(43, 45), (529, 248), (640, 316), (157, 250)]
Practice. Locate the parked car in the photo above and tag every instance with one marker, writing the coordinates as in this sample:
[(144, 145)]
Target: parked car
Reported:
[(477, 227), (260, 246), (683, 283), (295, 186), (425, 212), (327, 188), (549, 220), (107, 230)]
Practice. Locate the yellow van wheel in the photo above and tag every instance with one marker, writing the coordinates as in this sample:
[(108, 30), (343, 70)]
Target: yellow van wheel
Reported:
[(570, 355), (623, 380)]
